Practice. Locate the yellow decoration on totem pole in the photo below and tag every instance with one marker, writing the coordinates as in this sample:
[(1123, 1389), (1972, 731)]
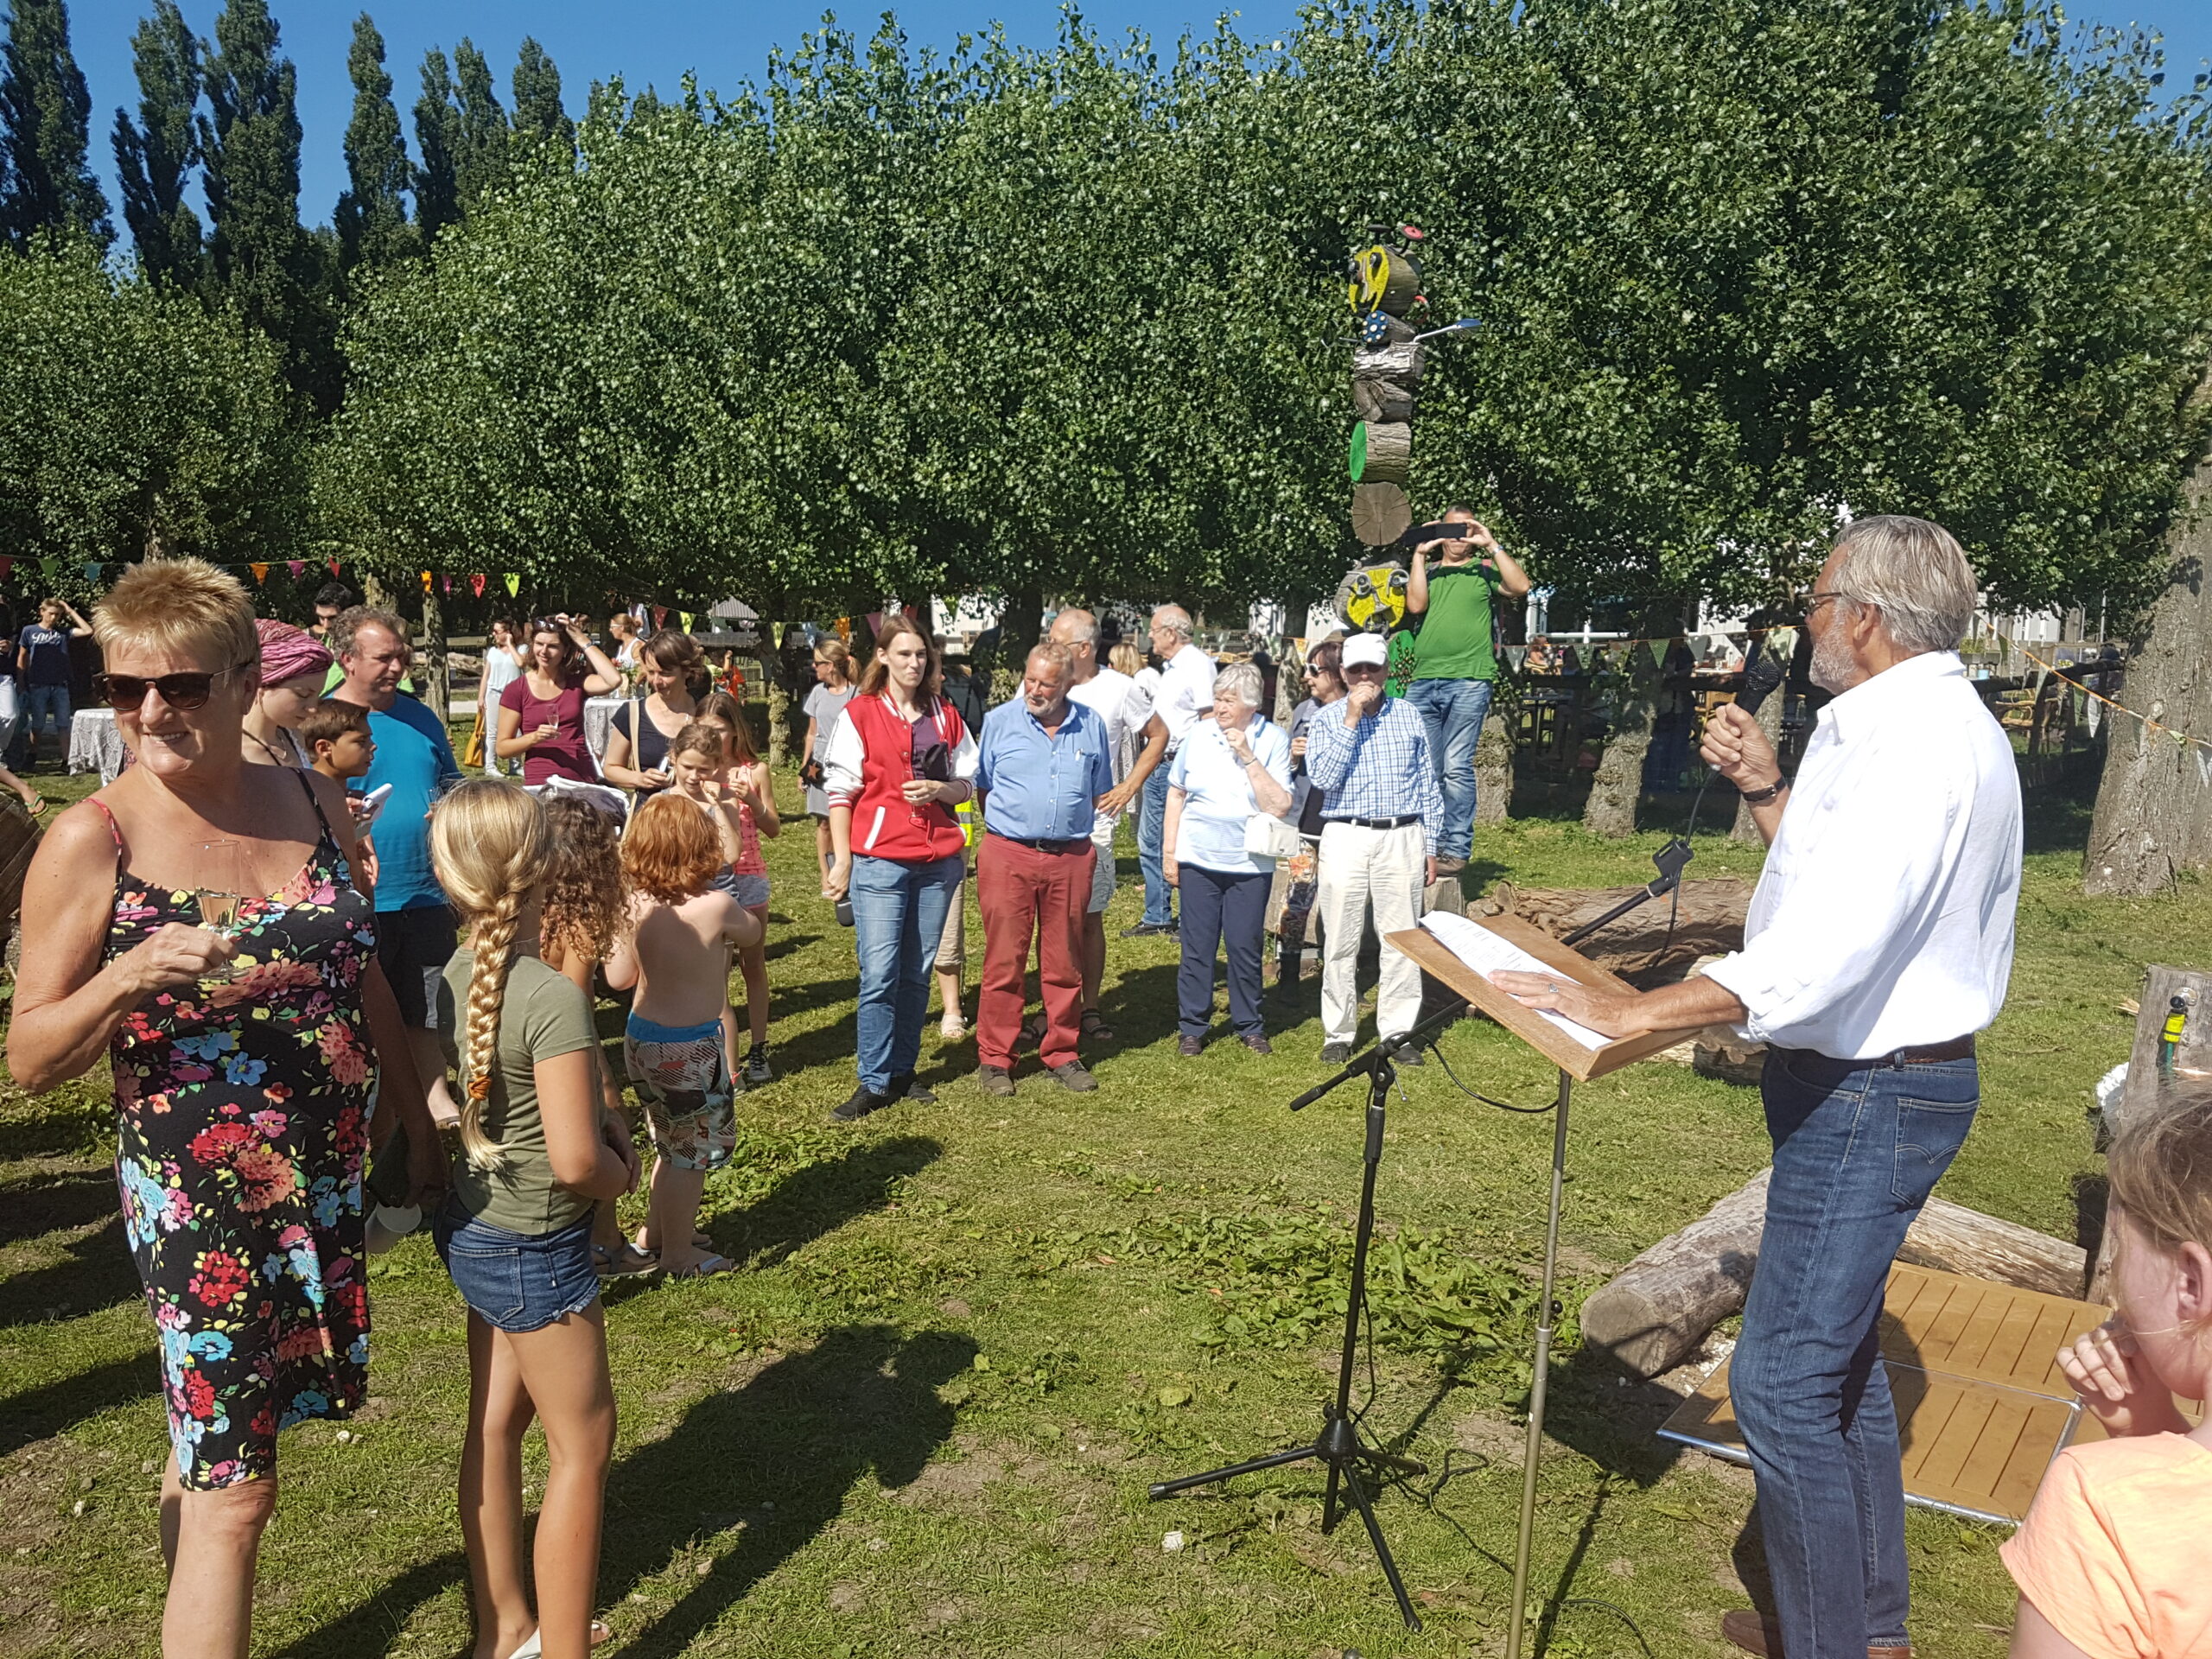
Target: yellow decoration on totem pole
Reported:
[(1383, 280), (1370, 594)]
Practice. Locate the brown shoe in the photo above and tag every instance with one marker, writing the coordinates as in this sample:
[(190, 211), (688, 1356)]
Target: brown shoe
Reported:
[(1755, 1633)]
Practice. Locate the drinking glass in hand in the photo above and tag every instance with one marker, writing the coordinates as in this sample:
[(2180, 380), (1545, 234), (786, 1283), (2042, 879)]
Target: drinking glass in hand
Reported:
[(223, 873)]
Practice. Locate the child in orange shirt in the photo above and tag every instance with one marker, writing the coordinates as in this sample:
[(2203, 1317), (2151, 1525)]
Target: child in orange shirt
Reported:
[(2111, 1561)]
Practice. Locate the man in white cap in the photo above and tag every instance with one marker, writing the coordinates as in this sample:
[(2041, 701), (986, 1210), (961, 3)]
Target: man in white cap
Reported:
[(1382, 811)]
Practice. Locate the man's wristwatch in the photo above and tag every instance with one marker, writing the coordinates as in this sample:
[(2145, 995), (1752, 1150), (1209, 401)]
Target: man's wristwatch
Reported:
[(1761, 797)]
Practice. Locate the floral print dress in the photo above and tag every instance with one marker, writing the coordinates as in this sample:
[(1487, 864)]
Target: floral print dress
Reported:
[(242, 1117)]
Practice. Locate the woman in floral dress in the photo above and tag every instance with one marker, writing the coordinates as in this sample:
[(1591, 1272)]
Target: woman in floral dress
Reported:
[(243, 1064)]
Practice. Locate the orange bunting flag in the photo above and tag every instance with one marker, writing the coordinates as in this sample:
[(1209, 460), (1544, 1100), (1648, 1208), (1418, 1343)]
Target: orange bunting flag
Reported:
[(260, 574), (426, 581), (476, 584)]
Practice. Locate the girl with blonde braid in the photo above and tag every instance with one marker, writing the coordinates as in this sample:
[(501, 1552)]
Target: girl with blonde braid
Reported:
[(516, 1234)]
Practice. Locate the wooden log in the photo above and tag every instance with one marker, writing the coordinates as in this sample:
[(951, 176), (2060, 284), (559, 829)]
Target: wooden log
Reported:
[(1637, 947), (1382, 452), (1400, 365), (1382, 400), (1380, 513), (1657, 1311), (1384, 280)]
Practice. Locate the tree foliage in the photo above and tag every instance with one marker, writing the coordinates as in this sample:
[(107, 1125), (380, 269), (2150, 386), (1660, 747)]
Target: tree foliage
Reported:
[(155, 156), (539, 115), (371, 217), (132, 418), (48, 188)]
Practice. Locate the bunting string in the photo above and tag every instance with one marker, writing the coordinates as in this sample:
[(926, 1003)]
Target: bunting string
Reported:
[(2097, 700)]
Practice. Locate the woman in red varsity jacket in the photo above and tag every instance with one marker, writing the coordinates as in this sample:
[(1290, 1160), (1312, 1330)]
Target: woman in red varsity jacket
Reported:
[(899, 762)]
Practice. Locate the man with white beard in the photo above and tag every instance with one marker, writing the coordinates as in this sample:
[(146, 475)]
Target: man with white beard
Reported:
[(1878, 942)]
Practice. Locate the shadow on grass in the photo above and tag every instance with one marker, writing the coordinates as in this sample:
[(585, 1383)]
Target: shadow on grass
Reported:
[(747, 1479), (97, 1273), (62, 1405), (55, 1204), (820, 1198)]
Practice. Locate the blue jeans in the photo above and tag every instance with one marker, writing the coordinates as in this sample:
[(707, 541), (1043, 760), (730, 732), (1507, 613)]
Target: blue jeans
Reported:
[(1152, 831), (1858, 1146), (899, 912), (1221, 910), (39, 701), (1453, 711)]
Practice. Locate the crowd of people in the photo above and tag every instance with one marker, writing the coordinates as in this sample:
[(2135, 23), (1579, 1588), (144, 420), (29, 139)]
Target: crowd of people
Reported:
[(317, 954)]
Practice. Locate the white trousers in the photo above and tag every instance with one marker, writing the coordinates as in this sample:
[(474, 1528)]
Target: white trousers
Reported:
[(1360, 867)]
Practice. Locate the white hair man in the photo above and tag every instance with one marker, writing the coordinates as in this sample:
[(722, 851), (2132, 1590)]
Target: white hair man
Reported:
[(1185, 693), (1382, 813), (1878, 942), (1107, 693)]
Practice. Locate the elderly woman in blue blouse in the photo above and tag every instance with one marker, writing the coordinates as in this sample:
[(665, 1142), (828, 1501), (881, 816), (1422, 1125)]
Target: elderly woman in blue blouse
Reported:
[(1231, 768)]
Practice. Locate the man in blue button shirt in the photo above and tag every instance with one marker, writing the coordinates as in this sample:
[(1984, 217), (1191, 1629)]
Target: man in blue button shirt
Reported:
[(1041, 765)]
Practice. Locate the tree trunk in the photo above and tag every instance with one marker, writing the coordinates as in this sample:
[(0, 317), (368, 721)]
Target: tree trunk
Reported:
[(431, 682), (1770, 721), (2154, 806), (374, 593), (1494, 765), (1618, 784), (1021, 625), (1656, 1313)]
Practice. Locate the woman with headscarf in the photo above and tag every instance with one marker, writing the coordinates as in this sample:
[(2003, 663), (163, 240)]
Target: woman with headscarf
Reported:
[(294, 666)]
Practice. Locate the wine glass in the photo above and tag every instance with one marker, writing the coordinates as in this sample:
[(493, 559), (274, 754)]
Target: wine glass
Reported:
[(222, 868)]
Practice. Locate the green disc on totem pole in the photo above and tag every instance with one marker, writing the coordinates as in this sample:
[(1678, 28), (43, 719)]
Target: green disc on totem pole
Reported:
[(1358, 466)]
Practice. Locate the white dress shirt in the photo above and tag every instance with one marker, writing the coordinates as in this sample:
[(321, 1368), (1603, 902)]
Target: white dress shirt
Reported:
[(1108, 694), (1185, 692), (1884, 917)]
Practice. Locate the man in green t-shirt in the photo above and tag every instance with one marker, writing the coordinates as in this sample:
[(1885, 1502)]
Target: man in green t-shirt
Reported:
[(1448, 614)]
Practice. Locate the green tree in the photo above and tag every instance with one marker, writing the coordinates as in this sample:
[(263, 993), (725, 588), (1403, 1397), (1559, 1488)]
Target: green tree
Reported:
[(154, 158), (261, 257), (45, 136), (539, 117), (480, 159), (371, 217), (437, 138), (133, 419)]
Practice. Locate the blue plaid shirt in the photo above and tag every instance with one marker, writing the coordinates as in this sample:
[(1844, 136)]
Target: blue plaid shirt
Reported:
[(1378, 769)]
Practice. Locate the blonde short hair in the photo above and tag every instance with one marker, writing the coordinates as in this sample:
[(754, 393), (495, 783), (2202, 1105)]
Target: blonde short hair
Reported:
[(186, 606)]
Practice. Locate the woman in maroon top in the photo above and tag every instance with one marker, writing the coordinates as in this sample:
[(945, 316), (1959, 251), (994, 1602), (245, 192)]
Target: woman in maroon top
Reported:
[(541, 713)]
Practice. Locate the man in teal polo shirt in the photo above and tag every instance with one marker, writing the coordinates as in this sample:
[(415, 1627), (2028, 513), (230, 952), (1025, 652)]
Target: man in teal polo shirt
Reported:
[(1448, 613)]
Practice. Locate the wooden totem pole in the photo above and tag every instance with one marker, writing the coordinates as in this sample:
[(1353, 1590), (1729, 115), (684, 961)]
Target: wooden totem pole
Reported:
[(1386, 365)]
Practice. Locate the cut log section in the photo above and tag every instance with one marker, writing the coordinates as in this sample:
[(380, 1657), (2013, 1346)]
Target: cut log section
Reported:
[(1661, 1307), (1382, 400), (1380, 513), (1382, 452), (1384, 280), (1400, 365), (1649, 942)]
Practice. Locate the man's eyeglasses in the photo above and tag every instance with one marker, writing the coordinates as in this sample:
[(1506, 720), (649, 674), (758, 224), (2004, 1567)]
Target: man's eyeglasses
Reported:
[(182, 692), (1813, 600)]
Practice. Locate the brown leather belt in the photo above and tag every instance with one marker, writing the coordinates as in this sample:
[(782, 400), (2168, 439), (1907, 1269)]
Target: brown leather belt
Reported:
[(1959, 1048)]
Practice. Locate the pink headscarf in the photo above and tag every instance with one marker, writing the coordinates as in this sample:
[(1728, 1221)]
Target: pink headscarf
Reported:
[(287, 652)]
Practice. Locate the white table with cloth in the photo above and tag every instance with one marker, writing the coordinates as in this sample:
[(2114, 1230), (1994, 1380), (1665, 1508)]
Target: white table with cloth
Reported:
[(96, 744)]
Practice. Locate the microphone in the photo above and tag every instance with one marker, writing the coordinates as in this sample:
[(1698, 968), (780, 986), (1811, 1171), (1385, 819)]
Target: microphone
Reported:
[(1761, 681)]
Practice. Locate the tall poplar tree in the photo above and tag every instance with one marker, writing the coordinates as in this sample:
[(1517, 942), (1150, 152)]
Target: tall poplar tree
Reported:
[(481, 161), (44, 131), (154, 158), (250, 145), (539, 116), (372, 216), (437, 137)]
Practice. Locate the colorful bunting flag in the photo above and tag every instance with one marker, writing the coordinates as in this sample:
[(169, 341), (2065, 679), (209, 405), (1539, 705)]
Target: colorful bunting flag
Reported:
[(476, 584), (92, 570), (445, 584), (1515, 653), (1659, 649), (660, 616), (297, 567), (514, 584), (7, 564), (49, 568), (684, 617), (2096, 709), (2204, 767), (333, 563), (426, 581), (260, 574)]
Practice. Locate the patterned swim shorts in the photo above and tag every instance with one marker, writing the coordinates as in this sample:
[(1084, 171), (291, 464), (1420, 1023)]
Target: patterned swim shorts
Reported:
[(682, 1076)]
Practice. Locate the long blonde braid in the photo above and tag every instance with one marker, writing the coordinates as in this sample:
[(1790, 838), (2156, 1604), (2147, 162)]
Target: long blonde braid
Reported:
[(491, 846)]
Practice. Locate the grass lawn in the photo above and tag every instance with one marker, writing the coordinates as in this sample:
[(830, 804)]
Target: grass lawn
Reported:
[(921, 1419)]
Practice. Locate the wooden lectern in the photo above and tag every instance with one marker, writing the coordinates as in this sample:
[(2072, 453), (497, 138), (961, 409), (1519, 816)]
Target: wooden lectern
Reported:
[(1577, 1062)]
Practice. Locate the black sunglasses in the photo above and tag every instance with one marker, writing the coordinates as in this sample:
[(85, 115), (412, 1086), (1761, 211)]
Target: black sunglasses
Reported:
[(182, 692)]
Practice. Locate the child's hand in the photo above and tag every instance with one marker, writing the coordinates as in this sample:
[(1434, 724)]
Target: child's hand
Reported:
[(616, 1134), (2109, 1373)]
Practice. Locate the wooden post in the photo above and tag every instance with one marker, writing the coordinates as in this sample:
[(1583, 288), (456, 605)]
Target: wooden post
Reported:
[(2146, 1082), (431, 680)]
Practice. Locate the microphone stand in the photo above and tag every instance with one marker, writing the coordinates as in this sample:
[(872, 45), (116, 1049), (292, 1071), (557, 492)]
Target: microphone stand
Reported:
[(1339, 1445)]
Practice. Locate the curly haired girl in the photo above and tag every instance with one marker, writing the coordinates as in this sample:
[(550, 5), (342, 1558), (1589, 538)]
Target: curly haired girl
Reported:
[(516, 1234)]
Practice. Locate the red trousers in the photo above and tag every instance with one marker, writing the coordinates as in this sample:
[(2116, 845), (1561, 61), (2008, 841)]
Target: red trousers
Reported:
[(1027, 894)]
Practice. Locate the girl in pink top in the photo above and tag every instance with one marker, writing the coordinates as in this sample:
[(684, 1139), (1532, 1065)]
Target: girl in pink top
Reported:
[(752, 792), (2111, 1561)]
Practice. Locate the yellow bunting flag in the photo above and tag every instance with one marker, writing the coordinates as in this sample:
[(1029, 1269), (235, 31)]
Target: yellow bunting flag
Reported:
[(684, 617), (260, 574), (514, 584)]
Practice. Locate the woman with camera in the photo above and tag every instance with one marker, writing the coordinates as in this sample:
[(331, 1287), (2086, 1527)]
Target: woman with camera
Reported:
[(900, 759)]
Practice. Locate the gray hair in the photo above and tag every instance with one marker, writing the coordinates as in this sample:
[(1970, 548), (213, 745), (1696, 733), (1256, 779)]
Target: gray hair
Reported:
[(1912, 571), (1174, 617), (347, 624), (1053, 652), (1082, 631), (1240, 681)]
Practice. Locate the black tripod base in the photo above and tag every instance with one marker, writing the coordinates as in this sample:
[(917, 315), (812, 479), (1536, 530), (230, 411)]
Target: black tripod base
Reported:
[(1340, 1447)]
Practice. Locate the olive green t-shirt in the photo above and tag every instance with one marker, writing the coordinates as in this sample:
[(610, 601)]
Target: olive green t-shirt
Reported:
[(1451, 638), (541, 1017)]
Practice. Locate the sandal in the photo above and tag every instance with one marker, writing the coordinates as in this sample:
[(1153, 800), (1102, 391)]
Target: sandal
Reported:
[(623, 1261), (600, 1634), (1095, 1027), (705, 1267), (951, 1030)]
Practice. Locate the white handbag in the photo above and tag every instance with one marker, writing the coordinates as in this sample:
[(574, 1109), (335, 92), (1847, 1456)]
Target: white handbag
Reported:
[(1269, 836)]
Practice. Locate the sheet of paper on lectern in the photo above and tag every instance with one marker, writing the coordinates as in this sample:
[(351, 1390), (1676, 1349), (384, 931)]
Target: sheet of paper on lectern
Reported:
[(1487, 954)]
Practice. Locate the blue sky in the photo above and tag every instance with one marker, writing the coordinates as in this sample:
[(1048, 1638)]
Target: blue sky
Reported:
[(658, 40)]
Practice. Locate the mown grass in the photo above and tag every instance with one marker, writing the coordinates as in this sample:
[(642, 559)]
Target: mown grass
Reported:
[(923, 1418)]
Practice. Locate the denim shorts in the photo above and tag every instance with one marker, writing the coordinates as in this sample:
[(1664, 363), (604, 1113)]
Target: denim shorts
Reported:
[(516, 1282)]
